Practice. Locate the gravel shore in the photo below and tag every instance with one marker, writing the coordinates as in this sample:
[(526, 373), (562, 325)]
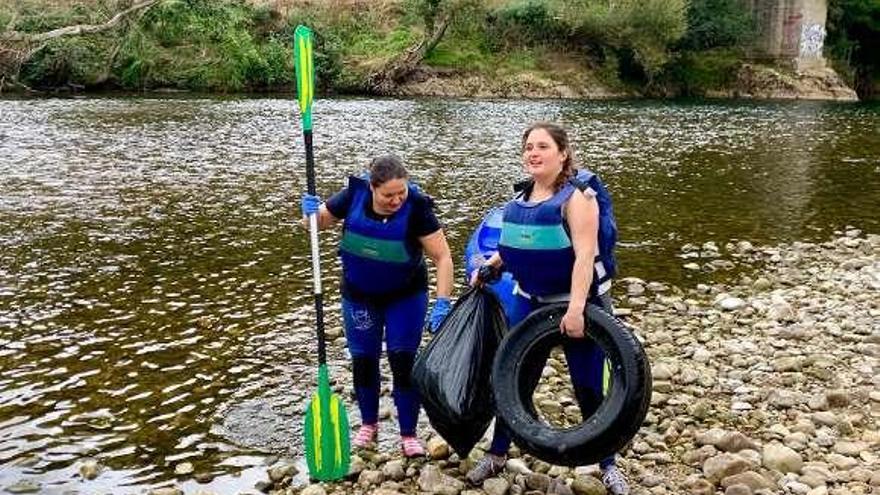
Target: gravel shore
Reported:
[(769, 384)]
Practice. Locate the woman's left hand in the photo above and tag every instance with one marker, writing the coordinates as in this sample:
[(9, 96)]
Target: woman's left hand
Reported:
[(573, 324)]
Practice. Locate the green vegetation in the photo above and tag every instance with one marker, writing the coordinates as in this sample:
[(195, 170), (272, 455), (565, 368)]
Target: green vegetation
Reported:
[(638, 33), (191, 44), (488, 41), (717, 24), (687, 47), (711, 51), (237, 47), (853, 42)]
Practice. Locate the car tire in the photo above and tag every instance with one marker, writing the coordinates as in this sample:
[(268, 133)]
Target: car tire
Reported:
[(613, 424)]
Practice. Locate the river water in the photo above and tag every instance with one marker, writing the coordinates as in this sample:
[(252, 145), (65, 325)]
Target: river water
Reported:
[(155, 294)]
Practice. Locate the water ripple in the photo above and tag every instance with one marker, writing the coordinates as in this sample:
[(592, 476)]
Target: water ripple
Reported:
[(155, 293)]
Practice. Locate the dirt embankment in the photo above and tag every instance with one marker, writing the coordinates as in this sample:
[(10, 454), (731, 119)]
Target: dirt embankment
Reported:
[(753, 81)]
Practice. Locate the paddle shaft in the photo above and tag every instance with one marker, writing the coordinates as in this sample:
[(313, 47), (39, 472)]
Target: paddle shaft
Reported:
[(326, 434), (316, 254)]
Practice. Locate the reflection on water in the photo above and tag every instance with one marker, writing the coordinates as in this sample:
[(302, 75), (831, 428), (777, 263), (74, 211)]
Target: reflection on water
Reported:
[(152, 279)]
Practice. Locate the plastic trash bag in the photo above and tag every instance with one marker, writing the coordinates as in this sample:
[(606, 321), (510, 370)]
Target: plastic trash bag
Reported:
[(453, 373)]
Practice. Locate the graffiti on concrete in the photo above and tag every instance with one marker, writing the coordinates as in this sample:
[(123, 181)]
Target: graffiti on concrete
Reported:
[(812, 40)]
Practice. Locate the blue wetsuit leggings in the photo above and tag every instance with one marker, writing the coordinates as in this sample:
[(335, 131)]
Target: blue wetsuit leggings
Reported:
[(586, 363), (400, 323)]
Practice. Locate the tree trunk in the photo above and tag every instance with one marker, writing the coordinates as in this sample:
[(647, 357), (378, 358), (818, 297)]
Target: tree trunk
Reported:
[(396, 71)]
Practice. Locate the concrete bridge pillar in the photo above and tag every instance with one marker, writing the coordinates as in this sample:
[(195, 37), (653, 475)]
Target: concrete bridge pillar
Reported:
[(791, 31)]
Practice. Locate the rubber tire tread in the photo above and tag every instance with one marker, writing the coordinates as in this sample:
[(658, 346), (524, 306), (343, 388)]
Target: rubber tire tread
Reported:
[(615, 422)]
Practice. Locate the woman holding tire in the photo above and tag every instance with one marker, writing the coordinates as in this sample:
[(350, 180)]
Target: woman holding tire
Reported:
[(549, 242)]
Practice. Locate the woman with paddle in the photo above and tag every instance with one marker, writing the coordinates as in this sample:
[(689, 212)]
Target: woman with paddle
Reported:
[(550, 242), (388, 224)]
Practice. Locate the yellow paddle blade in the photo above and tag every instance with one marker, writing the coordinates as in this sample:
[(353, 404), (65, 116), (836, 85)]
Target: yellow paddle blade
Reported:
[(303, 60)]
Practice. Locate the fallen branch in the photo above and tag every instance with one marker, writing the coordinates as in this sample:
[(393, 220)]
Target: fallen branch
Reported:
[(16, 47), (396, 71), (38, 38)]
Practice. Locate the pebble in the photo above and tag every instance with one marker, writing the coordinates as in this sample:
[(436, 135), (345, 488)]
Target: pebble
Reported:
[(89, 469), (185, 468)]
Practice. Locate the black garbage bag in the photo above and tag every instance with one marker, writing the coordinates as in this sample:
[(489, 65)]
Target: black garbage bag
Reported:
[(453, 373)]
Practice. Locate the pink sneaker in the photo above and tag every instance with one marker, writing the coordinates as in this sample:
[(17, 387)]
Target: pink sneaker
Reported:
[(366, 436), (412, 447)]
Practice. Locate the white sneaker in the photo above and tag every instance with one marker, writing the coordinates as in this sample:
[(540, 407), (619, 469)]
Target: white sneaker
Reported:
[(487, 467), (615, 481)]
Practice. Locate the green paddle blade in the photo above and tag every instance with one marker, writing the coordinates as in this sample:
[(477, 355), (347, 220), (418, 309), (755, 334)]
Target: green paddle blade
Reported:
[(305, 73), (328, 451)]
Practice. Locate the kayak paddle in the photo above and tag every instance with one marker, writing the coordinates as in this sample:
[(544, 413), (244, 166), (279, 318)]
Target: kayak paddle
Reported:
[(328, 452)]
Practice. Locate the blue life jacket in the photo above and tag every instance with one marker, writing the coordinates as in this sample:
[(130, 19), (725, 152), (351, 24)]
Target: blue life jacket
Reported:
[(376, 257), (586, 180), (536, 246)]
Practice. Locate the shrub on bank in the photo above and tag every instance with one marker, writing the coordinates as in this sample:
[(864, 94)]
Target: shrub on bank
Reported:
[(227, 45), (694, 73), (205, 45), (674, 46)]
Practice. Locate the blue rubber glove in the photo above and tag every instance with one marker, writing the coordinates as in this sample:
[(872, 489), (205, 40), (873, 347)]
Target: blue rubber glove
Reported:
[(438, 313), (310, 204)]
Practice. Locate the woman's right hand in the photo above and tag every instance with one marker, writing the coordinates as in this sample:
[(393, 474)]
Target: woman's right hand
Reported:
[(310, 204), (485, 274), (573, 324)]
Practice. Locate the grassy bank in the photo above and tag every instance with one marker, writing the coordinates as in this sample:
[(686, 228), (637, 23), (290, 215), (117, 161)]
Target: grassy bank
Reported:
[(192, 44), (654, 47)]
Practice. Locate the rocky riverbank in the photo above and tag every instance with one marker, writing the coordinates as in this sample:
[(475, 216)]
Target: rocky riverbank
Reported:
[(771, 83), (767, 385), (752, 81)]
